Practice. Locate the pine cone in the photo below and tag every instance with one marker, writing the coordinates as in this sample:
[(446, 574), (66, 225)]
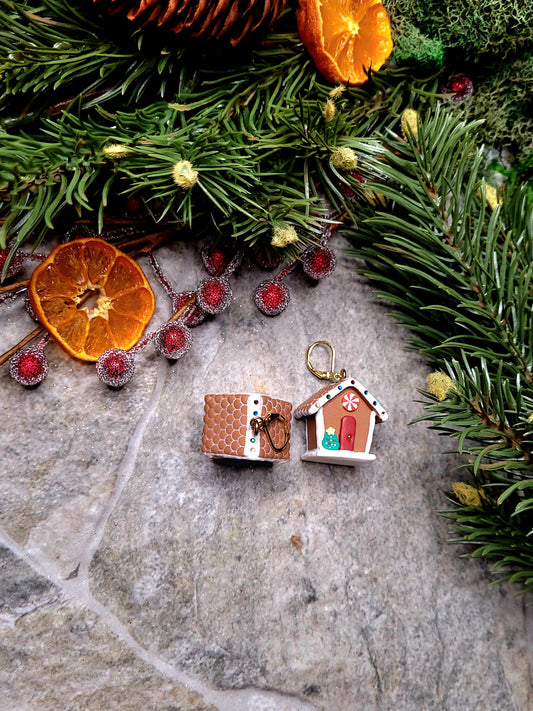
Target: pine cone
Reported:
[(234, 20)]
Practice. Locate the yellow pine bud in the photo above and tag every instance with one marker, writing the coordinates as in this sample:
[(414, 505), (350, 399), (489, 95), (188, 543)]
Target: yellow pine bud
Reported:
[(283, 235), (409, 123), (184, 175), (337, 91), (116, 151), (491, 196), (329, 110), (439, 384), (344, 158), (466, 494)]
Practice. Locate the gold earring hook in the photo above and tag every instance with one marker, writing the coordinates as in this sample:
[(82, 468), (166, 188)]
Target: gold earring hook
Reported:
[(262, 423), (324, 374)]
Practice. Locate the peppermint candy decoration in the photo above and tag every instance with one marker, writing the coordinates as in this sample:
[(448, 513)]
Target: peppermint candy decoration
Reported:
[(350, 402)]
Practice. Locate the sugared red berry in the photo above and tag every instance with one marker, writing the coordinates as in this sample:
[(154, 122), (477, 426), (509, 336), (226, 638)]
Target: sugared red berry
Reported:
[(214, 295), (193, 316), (115, 367), (266, 258), (460, 88), (318, 262), (348, 191), (29, 366), (173, 340), (15, 265), (272, 297), (214, 257)]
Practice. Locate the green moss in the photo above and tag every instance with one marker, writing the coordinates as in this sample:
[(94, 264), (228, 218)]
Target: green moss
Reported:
[(411, 44), (503, 98), (491, 41), (475, 29)]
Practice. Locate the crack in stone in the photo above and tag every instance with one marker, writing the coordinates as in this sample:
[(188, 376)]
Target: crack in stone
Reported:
[(373, 662), (124, 472), (76, 591)]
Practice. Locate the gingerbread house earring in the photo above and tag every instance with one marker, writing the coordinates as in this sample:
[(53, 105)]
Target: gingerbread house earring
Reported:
[(249, 427), (340, 417)]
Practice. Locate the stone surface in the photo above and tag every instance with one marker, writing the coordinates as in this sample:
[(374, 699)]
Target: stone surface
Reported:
[(334, 586), (60, 656)]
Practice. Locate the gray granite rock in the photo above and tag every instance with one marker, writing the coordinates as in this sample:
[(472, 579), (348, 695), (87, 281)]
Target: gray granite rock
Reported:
[(335, 586), (60, 656)]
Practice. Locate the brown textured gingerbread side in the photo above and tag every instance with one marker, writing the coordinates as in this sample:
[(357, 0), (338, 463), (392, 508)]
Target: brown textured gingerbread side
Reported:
[(224, 425), (303, 409), (276, 429)]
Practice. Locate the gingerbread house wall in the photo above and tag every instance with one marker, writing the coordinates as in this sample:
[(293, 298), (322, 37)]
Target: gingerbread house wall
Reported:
[(332, 413), (227, 431)]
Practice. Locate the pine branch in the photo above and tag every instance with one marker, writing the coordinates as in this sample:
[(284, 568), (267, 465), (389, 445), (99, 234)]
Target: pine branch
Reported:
[(457, 272), (253, 127)]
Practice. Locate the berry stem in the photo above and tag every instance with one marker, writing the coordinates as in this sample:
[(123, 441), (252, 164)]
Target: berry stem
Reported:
[(162, 277), (6, 295), (288, 269), (7, 355), (145, 244), (35, 256), (42, 343), (142, 344), (16, 285)]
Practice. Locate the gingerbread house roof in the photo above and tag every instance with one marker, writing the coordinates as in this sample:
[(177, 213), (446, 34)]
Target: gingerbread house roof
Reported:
[(327, 393)]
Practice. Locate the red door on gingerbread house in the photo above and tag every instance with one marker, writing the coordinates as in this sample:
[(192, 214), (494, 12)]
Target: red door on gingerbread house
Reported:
[(340, 423), (347, 433)]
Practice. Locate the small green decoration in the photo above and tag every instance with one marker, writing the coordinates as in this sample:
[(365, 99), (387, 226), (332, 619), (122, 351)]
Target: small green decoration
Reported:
[(330, 439)]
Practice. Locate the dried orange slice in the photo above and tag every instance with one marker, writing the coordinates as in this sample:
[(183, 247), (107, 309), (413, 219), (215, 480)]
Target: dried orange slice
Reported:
[(91, 297), (345, 37)]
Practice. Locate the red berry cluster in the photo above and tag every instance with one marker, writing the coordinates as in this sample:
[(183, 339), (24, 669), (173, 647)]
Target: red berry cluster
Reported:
[(272, 296)]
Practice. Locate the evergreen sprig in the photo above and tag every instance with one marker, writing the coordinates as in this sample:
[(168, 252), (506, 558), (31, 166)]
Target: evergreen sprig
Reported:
[(252, 123), (455, 263)]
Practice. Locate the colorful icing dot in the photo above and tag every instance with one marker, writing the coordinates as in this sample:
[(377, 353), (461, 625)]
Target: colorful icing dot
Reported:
[(255, 413), (339, 387), (328, 397), (253, 439)]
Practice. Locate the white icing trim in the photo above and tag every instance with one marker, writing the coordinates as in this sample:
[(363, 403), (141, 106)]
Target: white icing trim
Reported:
[(320, 428), (342, 385), (337, 456), (371, 426), (252, 449)]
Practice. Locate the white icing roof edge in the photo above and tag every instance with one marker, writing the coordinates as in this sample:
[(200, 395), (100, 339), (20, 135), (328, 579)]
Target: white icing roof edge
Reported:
[(350, 383)]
